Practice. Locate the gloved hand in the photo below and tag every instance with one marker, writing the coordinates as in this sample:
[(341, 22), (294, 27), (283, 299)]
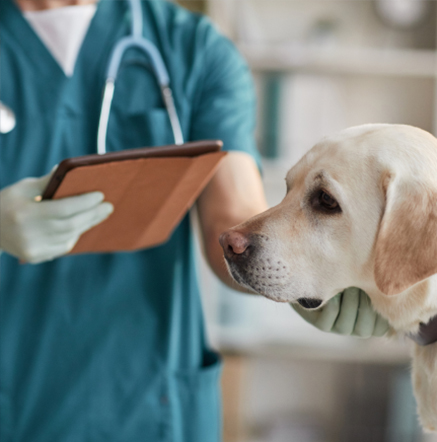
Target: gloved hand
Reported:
[(348, 313), (40, 231)]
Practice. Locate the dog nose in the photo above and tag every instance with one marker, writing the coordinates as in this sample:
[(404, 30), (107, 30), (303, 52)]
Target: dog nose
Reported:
[(235, 244), (309, 303)]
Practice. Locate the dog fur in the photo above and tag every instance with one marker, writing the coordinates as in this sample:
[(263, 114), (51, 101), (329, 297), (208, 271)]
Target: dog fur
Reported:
[(383, 240)]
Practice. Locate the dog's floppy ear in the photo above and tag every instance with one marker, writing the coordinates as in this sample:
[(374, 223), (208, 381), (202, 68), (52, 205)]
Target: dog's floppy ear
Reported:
[(406, 244)]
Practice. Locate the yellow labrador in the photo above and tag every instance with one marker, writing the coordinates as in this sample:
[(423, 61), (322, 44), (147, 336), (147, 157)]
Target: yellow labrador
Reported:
[(360, 210)]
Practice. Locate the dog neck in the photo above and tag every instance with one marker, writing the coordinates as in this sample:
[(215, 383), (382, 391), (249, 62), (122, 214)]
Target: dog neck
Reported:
[(407, 311)]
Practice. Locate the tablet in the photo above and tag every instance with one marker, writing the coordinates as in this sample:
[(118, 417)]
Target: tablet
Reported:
[(151, 190), (184, 150)]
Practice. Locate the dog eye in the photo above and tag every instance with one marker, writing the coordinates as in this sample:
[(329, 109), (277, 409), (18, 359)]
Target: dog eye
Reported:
[(325, 202)]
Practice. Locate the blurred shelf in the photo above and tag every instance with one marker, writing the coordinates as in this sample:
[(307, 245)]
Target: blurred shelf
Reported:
[(357, 61), (325, 347)]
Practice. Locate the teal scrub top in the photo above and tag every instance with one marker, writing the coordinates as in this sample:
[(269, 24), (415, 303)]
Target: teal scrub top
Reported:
[(111, 347)]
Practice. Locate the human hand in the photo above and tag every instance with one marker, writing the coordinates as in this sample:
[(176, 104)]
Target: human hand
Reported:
[(40, 231), (348, 313)]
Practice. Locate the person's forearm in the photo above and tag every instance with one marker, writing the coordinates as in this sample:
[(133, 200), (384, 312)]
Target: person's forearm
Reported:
[(234, 195)]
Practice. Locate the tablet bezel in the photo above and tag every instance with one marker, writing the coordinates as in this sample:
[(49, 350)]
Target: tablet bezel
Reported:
[(190, 149)]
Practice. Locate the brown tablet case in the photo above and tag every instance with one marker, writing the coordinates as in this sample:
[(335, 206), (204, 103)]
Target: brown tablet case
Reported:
[(150, 193)]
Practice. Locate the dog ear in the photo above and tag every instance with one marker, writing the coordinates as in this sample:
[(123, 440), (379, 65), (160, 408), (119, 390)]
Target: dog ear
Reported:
[(406, 244)]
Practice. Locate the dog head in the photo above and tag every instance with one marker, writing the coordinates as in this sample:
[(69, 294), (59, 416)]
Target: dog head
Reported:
[(360, 210)]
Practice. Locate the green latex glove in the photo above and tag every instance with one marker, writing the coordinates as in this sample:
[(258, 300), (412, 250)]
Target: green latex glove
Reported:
[(40, 231), (348, 313)]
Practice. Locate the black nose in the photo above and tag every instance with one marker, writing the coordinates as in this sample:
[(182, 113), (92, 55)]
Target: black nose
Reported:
[(309, 303)]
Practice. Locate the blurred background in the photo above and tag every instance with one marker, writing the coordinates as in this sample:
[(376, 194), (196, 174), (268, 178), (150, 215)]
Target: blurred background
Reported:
[(319, 66)]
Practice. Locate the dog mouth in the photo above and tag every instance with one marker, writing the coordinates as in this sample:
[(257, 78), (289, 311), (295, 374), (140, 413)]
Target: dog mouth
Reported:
[(310, 303), (239, 278), (246, 278)]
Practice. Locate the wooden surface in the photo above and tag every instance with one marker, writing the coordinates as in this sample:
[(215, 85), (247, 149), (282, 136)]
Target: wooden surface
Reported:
[(232, 389)]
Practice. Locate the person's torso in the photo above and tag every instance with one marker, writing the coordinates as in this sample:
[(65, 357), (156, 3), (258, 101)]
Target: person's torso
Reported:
[(101, 347)]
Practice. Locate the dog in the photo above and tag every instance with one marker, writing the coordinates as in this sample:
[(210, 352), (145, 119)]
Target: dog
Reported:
[(360, 210)]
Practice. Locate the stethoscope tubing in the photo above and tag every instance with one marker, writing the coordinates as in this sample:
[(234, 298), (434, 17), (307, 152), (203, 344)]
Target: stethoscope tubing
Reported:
[(136, 40)]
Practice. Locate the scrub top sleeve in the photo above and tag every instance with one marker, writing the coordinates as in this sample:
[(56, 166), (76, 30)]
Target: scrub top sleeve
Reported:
[(225, 106)]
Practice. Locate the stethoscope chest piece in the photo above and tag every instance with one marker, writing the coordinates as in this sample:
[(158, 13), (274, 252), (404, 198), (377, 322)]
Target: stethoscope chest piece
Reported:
[(7, 119)]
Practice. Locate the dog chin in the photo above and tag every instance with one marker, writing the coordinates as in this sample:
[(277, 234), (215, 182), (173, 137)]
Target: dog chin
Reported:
[(276, 298)]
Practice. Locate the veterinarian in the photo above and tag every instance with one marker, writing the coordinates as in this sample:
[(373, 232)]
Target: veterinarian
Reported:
[(111, 347)]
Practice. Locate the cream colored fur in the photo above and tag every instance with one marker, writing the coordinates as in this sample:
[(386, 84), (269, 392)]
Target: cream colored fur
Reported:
[(384, 240)]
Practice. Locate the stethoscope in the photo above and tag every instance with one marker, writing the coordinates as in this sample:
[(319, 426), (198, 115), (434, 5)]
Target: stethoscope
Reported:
[(134, 40), (7, 119)]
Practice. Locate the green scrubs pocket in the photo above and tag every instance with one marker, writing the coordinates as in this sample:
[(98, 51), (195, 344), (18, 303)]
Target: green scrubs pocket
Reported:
[(132, 129), (196, 410)]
